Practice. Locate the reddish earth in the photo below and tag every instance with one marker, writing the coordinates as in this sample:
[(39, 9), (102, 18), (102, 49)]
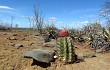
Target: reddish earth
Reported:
[(10, 57)]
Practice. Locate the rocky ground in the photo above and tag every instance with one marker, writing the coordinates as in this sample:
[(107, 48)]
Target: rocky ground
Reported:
[(14, 43)]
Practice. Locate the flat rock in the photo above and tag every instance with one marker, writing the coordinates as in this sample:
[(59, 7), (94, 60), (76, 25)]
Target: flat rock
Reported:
[(98, 50), (41, 55), (87, 54), (39, 43), (51, 44)]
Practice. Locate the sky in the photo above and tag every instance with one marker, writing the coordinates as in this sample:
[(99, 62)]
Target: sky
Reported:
[(63, 13)]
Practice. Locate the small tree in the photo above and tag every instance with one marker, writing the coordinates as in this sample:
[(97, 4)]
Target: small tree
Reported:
[(29, 19), (39, 19), (105, 12), (12, 18), (16, 25)]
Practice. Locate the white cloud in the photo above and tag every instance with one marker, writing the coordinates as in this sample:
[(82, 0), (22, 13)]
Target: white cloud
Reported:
[(60, 24), (27, 16), (6, 7), (76, 24), (89, 16), (82, 22), (52, 19), (79, 24)]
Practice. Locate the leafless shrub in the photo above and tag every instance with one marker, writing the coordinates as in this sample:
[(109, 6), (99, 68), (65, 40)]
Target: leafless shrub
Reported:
[(105, 12), (39, 19), (4, 26)]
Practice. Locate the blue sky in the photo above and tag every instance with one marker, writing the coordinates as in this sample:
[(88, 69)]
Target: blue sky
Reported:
[(65, 13)]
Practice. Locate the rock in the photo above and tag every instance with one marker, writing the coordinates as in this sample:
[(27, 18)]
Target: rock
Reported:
[(40, 43), (12, 44), (37, 35), (98, 50), (18, 46), (81, 58), (51, 44), (41, 55), (87, 54), (22, 39), (48, 44), (4, 33), (12, 38), (15, 34)]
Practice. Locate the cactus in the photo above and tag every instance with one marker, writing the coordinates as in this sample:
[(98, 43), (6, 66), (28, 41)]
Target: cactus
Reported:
[(65, 49)]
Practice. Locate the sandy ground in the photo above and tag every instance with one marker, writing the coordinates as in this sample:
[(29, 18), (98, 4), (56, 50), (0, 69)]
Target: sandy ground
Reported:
[(10, 57)]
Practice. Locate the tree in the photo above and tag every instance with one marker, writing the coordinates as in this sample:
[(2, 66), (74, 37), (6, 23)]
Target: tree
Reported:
[(39, 19), (29, 19), (16, 25), (12, 18), (105, 12)]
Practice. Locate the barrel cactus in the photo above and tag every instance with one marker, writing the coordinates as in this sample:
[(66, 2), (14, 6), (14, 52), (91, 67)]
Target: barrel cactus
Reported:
[(65, 49)]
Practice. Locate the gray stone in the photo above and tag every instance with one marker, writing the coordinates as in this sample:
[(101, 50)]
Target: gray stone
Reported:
[(40, 55), (98, 50), (18, 46), (39, 37), (39, 43), (87, 54), (51, 44), (81, 58), (22, 39)]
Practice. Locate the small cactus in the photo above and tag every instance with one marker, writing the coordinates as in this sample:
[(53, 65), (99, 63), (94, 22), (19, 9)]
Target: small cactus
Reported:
[(65, 49)]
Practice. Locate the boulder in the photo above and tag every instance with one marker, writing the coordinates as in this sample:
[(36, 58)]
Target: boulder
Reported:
[(41, 55)]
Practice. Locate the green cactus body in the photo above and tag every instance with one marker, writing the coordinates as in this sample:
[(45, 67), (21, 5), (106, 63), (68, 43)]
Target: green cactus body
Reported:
[(65, 49)]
